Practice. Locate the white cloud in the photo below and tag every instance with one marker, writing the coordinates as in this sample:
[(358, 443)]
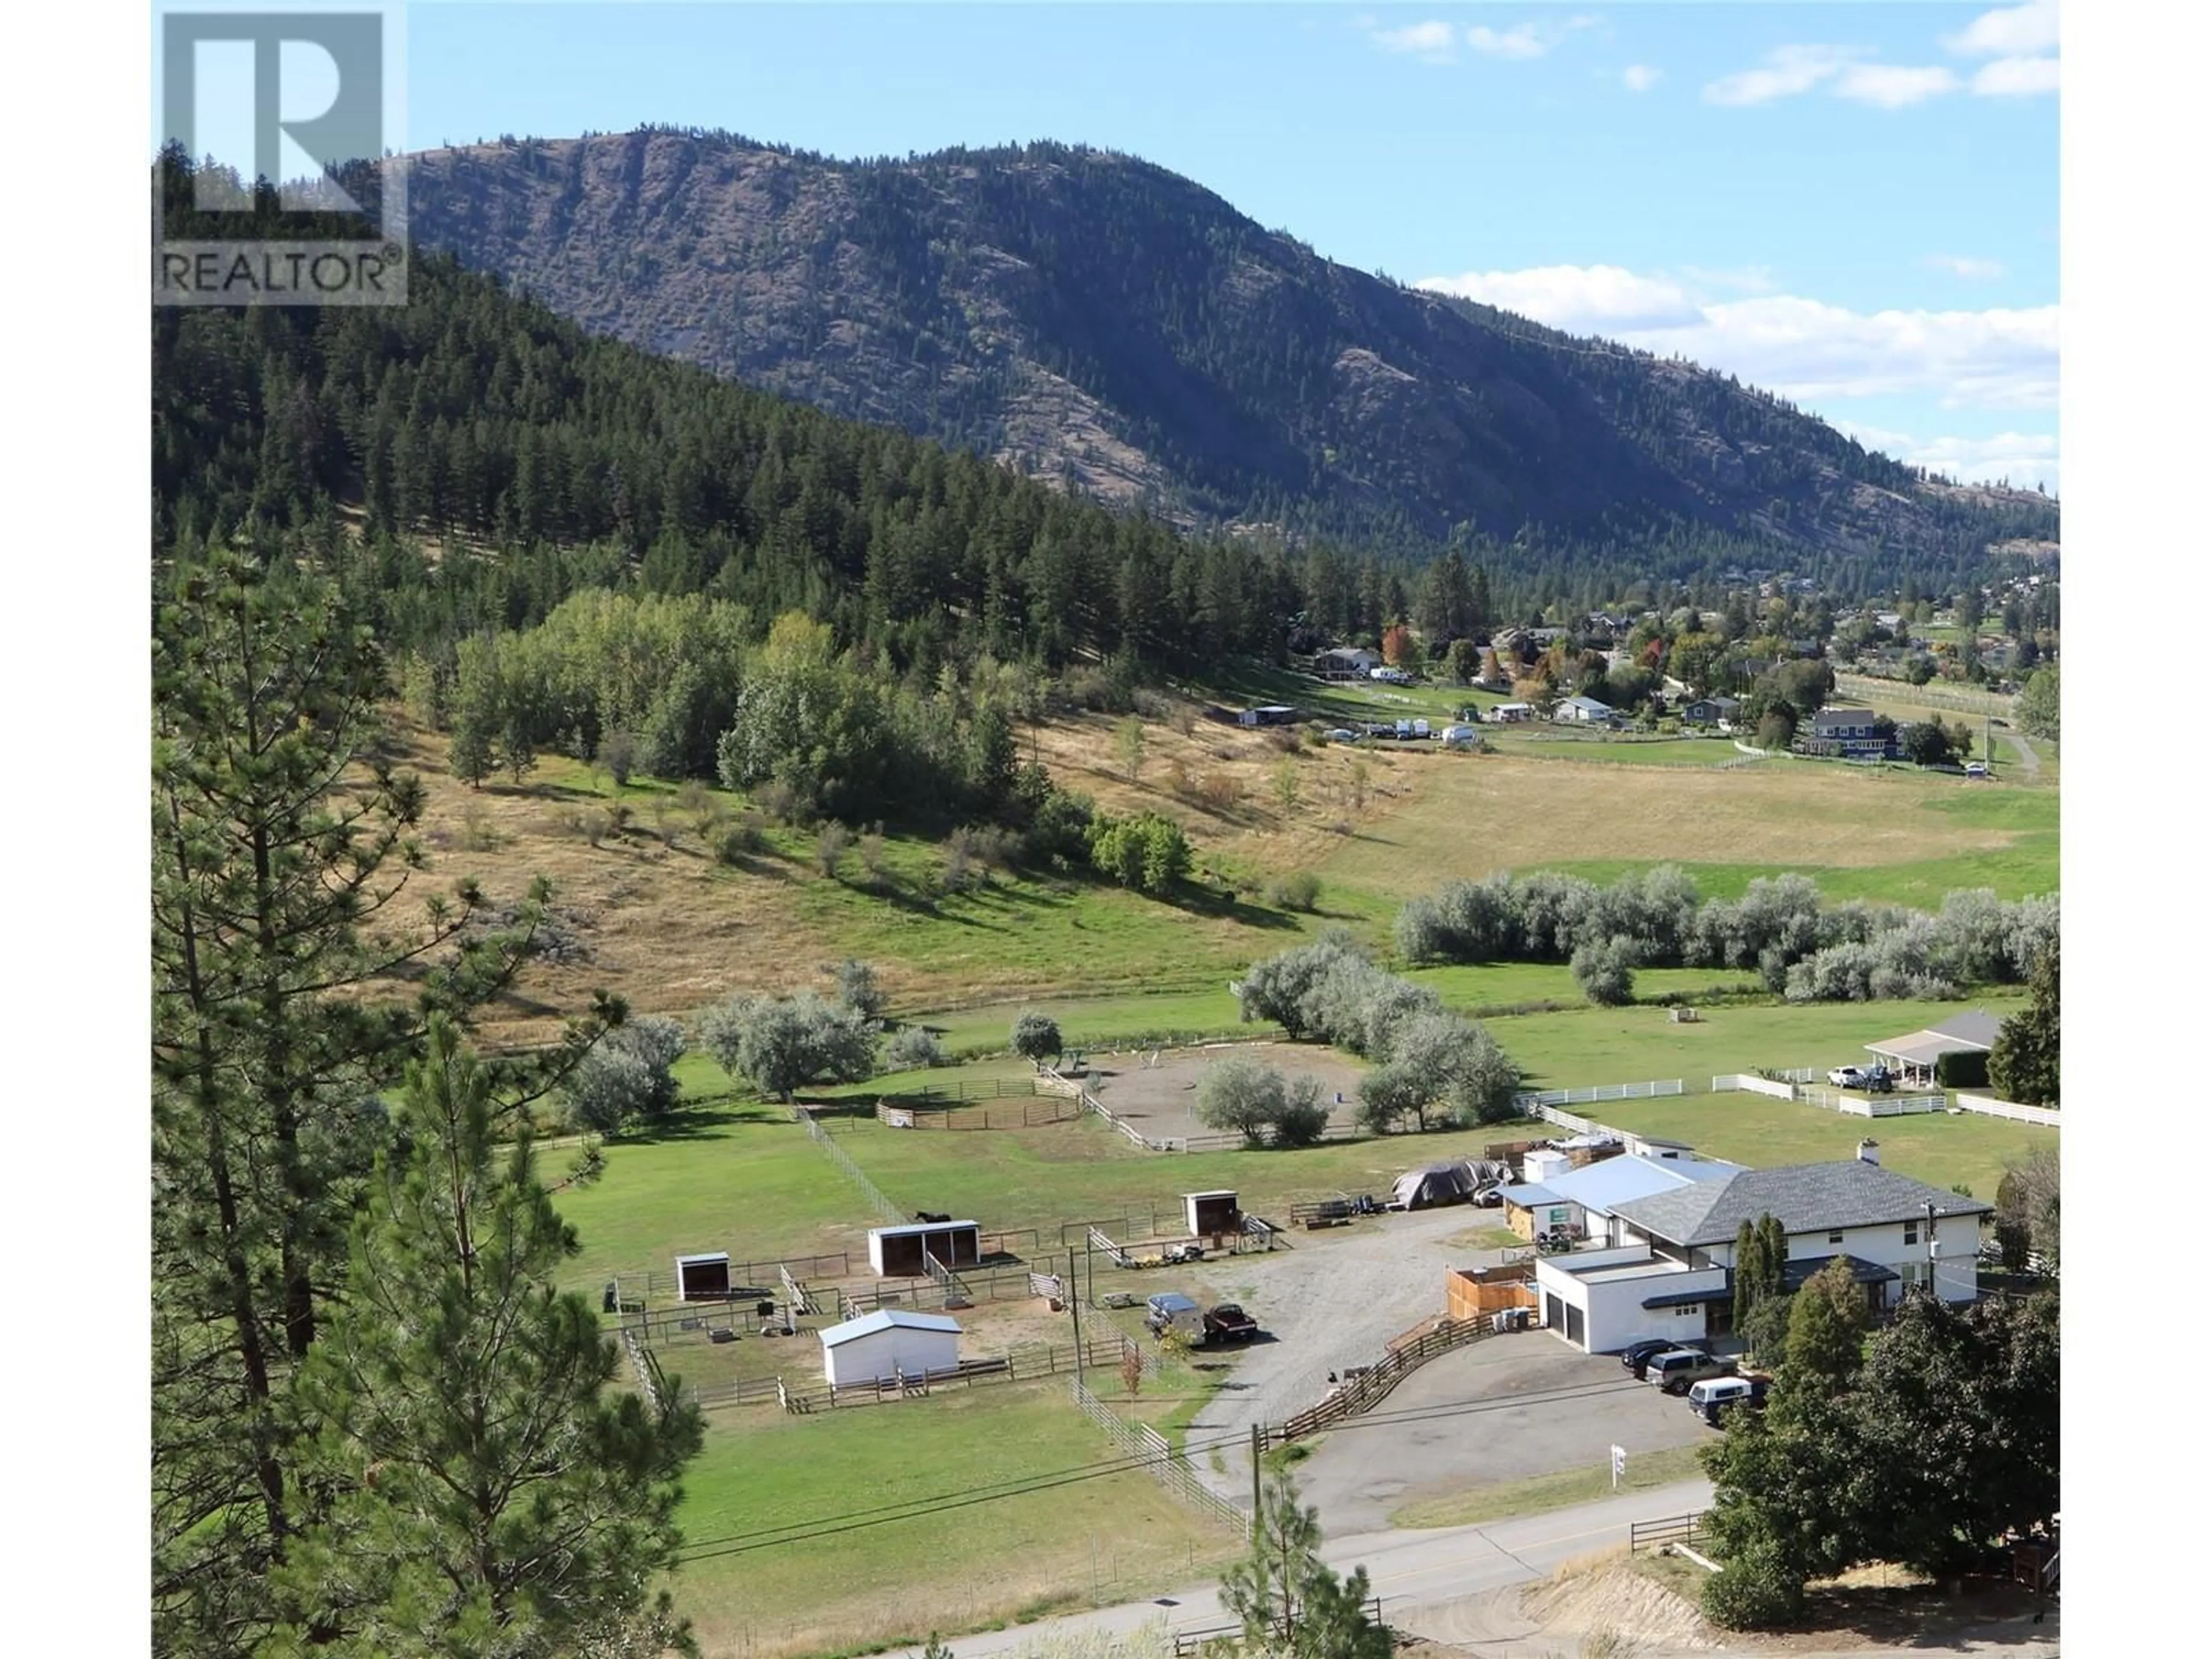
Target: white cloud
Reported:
[(1583, 298), (2009, 32), (1803, 349), (1519, 42), (1640, 77), (1961, 264), (1893, 85), (2022, 458), (2016, 77), (1433, 41), (1743, 279), (1787, 71)]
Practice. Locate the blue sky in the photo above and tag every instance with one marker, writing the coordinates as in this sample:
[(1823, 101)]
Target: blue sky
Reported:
[(1855, 205)]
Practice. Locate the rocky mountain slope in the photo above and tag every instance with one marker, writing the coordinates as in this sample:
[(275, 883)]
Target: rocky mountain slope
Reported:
[(1104, 323)]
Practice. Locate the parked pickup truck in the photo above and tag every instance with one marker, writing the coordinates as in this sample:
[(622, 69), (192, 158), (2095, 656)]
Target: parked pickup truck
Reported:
[(1227, 1322)]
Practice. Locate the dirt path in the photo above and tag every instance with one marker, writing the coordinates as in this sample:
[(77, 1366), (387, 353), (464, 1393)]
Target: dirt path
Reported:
[(2031, 763), (1329, 1302)]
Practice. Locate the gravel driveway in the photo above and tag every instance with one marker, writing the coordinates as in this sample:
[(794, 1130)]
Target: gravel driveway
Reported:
[(1332, 1300)]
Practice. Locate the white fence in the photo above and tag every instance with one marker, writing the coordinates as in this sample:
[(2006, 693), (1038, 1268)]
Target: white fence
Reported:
[(1733, 1081), (1989, 1107), (1871, 1105), (1602, 1092)]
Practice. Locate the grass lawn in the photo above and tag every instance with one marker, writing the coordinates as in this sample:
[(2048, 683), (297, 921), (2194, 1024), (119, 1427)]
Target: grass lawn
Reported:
[(1496, 1500), (1758, 1129), (730, 1176), (1587, 1046), (954, 1569)]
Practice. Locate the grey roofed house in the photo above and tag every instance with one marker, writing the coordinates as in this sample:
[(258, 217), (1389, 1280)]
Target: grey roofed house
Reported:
[(1805, 1198)]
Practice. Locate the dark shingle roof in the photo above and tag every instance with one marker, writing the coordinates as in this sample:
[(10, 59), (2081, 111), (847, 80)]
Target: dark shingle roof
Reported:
[(1805, 1198)]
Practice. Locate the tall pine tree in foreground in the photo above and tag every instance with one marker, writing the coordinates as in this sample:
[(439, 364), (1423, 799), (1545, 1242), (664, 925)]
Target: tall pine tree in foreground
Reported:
[(491, 1495)]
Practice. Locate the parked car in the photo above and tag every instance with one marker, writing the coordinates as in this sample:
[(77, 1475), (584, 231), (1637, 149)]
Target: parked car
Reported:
[(1458, 737), (1847, 1077), (1227, 1322), (1342, 735), (1717, 1396), (1172, 1311), (1634, 1358), (1675, 1371), (1978, 769), (1879, 1080)]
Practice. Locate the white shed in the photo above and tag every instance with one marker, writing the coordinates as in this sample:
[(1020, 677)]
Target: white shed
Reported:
[(1540, 1165), (888, 1343)]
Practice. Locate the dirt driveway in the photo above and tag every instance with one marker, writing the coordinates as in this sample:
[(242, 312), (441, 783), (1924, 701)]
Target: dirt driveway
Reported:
[(1506, 1407), (1331, 1301), (1158, 1101)]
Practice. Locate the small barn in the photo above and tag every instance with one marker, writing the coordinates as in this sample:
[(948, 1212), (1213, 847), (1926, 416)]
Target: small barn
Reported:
[(897, 1252), (1205, 1214), (889, 1343), (1436, 1184), (703, 1278)]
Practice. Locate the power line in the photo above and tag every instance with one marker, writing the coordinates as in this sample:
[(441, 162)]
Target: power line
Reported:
[(916, 1508)]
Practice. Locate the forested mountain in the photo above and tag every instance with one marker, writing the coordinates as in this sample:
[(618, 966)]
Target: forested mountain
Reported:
[(1108, 324)]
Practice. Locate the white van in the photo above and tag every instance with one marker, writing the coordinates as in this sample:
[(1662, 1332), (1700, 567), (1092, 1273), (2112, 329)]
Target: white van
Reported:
[(1717, 1395), (1458, 737)]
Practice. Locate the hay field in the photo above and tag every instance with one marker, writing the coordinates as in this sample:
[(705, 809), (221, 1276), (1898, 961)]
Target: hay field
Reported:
[(1500, 813)]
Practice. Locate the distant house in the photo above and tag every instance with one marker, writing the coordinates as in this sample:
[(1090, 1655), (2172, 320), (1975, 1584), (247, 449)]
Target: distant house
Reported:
[(1348, 662), (1913, 1056), (1849, 732), (1513, 714), (1267, 714), (1583, 711), (1711, 711)]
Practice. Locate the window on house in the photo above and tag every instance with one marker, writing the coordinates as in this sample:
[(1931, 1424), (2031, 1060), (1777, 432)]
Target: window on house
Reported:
[(1687, 1308), (1912, 1233), (1838, 1238)]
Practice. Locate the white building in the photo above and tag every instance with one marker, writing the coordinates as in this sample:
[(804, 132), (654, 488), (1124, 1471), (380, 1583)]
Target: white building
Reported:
[(1583, 711), (889, 1343), (1668, 1272)]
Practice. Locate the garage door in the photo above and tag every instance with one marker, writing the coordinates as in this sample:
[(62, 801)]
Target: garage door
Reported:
[(1554, 1312), (1575, 1325)]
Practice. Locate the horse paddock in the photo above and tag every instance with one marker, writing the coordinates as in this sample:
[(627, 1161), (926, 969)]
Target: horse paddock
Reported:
[(1156, 1092)]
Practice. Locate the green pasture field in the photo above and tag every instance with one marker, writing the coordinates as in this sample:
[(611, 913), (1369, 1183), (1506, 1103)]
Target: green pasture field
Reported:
[(962, 1565), (1138, 1020), (1758, 1129)]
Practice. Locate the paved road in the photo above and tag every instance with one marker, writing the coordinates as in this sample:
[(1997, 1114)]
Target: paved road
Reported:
[(1408, 1569)]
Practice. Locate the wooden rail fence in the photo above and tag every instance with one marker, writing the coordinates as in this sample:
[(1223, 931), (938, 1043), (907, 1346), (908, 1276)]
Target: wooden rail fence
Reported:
[(883, 1206), (1371, 1386)]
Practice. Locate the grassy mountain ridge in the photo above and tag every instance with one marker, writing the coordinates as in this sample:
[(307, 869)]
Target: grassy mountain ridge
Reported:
[(1105, 323)]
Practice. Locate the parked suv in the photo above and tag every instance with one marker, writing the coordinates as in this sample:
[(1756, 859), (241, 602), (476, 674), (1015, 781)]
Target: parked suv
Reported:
[(1675, 1371), (1847, 1077), (1637, 1360)]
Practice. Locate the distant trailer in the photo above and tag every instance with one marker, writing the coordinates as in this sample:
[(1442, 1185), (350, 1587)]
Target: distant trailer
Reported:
[(897, 1252), (1267, 714), (703, 1278)]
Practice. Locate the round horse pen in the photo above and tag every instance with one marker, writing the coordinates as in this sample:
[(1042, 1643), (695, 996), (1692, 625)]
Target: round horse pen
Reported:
[(1155, 1091)]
